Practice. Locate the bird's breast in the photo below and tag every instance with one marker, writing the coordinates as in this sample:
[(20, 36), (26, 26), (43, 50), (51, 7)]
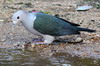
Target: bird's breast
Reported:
[(29, 25)]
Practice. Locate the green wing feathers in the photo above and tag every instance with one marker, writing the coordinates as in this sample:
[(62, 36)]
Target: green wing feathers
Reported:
[(50, 25)]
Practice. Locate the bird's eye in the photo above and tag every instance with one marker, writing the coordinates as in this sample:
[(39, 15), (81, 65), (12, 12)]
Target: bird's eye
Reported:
[(18, 17)]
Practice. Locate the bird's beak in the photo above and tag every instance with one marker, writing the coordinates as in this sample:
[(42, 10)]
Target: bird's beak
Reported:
[(15, 22)]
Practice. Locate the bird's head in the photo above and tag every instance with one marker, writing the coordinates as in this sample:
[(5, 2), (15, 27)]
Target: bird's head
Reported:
[(19, 16)]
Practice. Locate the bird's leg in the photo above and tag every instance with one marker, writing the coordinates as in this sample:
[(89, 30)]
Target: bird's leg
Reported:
[(39, 39), (48, 39)]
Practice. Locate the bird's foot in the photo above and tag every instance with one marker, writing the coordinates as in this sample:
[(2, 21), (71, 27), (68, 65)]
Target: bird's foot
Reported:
[(39, 41)]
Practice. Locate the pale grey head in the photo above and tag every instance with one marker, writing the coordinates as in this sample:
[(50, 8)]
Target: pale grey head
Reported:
[(19, 16)]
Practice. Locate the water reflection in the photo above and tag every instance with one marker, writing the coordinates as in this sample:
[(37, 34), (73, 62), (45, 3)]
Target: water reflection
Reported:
[(18, 57)]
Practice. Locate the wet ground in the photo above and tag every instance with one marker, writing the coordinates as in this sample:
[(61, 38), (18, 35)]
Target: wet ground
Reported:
[(17, 48), (15, 57)]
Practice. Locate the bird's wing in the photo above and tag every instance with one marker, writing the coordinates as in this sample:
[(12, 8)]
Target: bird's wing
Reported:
[(50, 25), (69, 22)]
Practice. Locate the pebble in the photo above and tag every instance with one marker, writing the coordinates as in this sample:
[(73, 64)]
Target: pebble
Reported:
[(79, 39), (1, 20), (28, 4), (66, 65), (83, 8), (75, 40), (92, 20)]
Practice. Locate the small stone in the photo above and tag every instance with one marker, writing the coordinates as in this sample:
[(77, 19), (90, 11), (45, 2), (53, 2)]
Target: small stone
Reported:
[(75, 40), (98, 6), (66, 64), (58, 4), (97, 15), (3, 39), (28, 4), (92, 20), (78, 48), (33, 45), (1, 20), (19, 3), (79, 39)]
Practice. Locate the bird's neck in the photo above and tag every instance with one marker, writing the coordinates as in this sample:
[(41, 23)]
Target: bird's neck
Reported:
[(28, 20)]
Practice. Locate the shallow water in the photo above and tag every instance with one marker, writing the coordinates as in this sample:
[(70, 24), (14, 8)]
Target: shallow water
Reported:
[(15, 57)]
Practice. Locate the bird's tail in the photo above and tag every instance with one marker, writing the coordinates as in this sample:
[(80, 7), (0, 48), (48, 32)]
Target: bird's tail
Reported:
[(86, 29)]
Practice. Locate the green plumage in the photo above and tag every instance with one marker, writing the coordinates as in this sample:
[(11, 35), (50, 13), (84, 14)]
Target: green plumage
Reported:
[(51, 25)]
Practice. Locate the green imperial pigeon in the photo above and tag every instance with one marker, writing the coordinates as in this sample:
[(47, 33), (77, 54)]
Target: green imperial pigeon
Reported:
[(46, 26)]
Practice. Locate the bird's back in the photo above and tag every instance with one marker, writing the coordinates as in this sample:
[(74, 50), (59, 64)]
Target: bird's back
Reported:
[(51, 25)]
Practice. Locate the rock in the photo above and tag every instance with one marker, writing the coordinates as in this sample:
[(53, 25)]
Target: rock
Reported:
[(19, 3), (28, 4), (92, 20), (1, 20), (83, 8), (79, 39), (75, 40)]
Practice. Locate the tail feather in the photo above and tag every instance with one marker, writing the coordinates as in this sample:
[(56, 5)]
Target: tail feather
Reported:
[(86, 29)]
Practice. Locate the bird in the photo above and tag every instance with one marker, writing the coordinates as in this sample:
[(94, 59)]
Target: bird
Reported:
[(47, 26)]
